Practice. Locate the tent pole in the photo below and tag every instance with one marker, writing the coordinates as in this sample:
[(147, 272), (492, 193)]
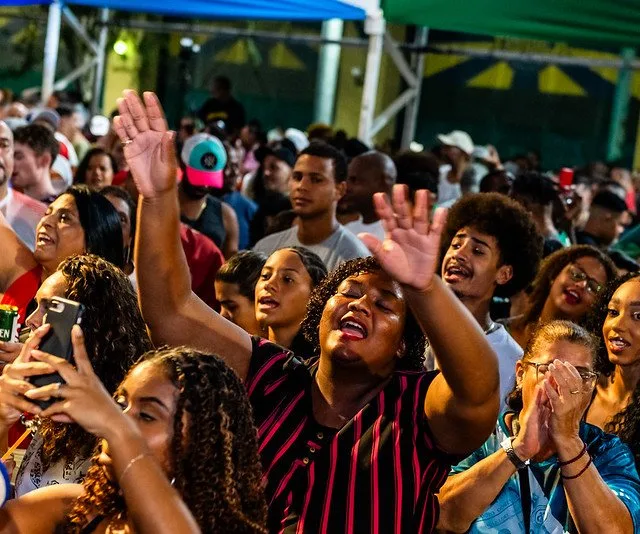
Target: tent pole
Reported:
[(96, 104), (411, 113), (51, 43), (620, 107), (328, 69), (374, 27)]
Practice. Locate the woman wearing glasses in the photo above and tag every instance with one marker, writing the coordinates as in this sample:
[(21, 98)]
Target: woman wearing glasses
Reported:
[(545, 469), (565, 288), (616, 401)]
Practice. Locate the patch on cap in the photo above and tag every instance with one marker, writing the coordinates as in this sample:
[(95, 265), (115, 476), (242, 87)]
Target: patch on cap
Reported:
[(205, 158)]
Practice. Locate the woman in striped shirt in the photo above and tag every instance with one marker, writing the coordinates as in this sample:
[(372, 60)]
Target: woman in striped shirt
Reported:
[(354, 439)]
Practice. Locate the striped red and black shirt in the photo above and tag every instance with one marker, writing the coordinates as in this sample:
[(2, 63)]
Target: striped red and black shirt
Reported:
[(376, 475)]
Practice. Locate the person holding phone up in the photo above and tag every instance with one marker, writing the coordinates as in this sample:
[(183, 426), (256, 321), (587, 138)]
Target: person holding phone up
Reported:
[(115, 337), (164, 463)]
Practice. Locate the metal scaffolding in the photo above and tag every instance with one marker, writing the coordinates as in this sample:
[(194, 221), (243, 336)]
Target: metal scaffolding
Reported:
[(378, 42), (57, 13)]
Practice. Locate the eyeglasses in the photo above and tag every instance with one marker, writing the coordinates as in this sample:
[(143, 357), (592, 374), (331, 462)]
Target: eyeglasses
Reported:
[(588, 377), (578, 275)]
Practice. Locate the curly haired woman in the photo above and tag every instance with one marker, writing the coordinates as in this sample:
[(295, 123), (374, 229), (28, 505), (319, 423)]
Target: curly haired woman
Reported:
[(178, 450), (565, 288), (355, 419), (615, 319), (115, 335)]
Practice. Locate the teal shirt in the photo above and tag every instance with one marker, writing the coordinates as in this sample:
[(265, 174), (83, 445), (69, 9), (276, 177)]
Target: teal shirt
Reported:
[(549, 509)]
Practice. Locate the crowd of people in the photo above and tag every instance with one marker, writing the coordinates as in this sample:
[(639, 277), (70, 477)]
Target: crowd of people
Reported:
[(293, 332)]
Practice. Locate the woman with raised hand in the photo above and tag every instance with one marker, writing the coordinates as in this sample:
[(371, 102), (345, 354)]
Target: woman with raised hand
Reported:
[(359, 416), (177, 452)]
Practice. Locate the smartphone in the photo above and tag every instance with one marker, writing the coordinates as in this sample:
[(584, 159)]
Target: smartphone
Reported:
[(566, 178), (61, 314)]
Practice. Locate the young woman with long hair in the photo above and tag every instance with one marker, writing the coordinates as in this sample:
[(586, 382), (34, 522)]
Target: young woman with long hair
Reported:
[(177, 452)]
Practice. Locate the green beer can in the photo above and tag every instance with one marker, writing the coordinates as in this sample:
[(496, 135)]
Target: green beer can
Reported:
[(8, 323)]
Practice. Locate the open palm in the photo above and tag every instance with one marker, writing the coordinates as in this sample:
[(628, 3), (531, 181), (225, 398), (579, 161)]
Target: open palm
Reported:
[(410, 251), (148, 143)]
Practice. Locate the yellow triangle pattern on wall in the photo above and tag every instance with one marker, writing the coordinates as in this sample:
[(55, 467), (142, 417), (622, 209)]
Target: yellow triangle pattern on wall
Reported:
[(551, 80), (237, 53), (498, 76), (282, 57), (435, 63)]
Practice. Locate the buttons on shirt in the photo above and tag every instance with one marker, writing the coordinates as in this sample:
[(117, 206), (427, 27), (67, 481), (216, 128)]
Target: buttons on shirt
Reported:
[(320, 435), (312, 450), (305, 460)]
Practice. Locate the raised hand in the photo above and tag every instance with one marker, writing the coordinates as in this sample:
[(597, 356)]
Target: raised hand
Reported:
[(410, 251), (83, 398), (568, 399), (534, 427), (148, 144)]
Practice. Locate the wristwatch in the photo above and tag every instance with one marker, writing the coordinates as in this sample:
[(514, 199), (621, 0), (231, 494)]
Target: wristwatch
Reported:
[(507, 445)]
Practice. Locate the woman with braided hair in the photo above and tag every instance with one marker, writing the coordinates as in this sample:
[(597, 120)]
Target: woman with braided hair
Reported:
[(178, 450)]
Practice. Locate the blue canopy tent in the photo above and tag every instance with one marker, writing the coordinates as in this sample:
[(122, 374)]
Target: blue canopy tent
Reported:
[(290, 10)]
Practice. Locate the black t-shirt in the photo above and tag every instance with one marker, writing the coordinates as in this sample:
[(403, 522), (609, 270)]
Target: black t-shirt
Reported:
[(210, 222), (230, 112)]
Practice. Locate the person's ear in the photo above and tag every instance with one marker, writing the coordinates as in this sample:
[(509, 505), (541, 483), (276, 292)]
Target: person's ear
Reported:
[(45, 160), (341, 189), (504, 275), (402, 349), (519, 373)]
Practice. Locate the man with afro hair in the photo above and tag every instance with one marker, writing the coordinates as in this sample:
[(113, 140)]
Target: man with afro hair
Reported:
[(490, 247)]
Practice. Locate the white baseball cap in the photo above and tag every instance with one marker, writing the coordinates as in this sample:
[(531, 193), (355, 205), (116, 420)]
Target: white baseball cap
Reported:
[(459, 139)]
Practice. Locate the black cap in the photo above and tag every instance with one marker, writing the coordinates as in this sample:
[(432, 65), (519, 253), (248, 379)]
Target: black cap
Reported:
[(609, 201), (281, 151)]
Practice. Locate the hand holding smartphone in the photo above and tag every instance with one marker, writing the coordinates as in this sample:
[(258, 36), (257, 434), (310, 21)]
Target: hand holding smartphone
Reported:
[(61, 314)]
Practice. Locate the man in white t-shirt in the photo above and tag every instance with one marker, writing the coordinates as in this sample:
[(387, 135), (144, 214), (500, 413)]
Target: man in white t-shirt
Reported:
[(22, 212), (490, 247), (457, 150), (368, 173), (316, 185)]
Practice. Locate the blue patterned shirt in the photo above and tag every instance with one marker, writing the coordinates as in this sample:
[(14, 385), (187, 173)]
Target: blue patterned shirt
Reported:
[(549, 509)]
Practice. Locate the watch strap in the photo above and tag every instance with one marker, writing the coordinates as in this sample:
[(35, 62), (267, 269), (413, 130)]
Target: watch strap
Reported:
[(507, 445)]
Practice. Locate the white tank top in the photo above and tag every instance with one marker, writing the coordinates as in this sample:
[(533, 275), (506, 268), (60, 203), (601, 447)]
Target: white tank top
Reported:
[(31, 476)]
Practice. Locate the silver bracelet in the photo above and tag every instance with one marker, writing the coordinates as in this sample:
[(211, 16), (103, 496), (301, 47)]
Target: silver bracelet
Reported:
[(130, 465)]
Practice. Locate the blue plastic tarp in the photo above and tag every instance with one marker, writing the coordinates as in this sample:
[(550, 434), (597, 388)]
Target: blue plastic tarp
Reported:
[(226, 9)]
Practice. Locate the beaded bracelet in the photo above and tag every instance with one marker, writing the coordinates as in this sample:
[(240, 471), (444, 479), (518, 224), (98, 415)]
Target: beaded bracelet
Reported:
[(584, 449), (130, 465), (580, 473)]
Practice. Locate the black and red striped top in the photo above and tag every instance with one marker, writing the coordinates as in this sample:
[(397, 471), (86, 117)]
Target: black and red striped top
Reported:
[(377, 475)]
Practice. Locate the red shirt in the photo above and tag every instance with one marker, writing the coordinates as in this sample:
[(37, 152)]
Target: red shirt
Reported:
[(204, 259)]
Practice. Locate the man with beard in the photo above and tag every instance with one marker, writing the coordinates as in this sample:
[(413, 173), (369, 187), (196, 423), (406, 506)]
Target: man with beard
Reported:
[(22, 212), (203, 159), (317, 184), (369, 173), (490, 247), (456, 150)]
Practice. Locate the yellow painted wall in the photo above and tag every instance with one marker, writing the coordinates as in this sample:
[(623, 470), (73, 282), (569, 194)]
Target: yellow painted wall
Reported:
[(349, 94), (121, 72)]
